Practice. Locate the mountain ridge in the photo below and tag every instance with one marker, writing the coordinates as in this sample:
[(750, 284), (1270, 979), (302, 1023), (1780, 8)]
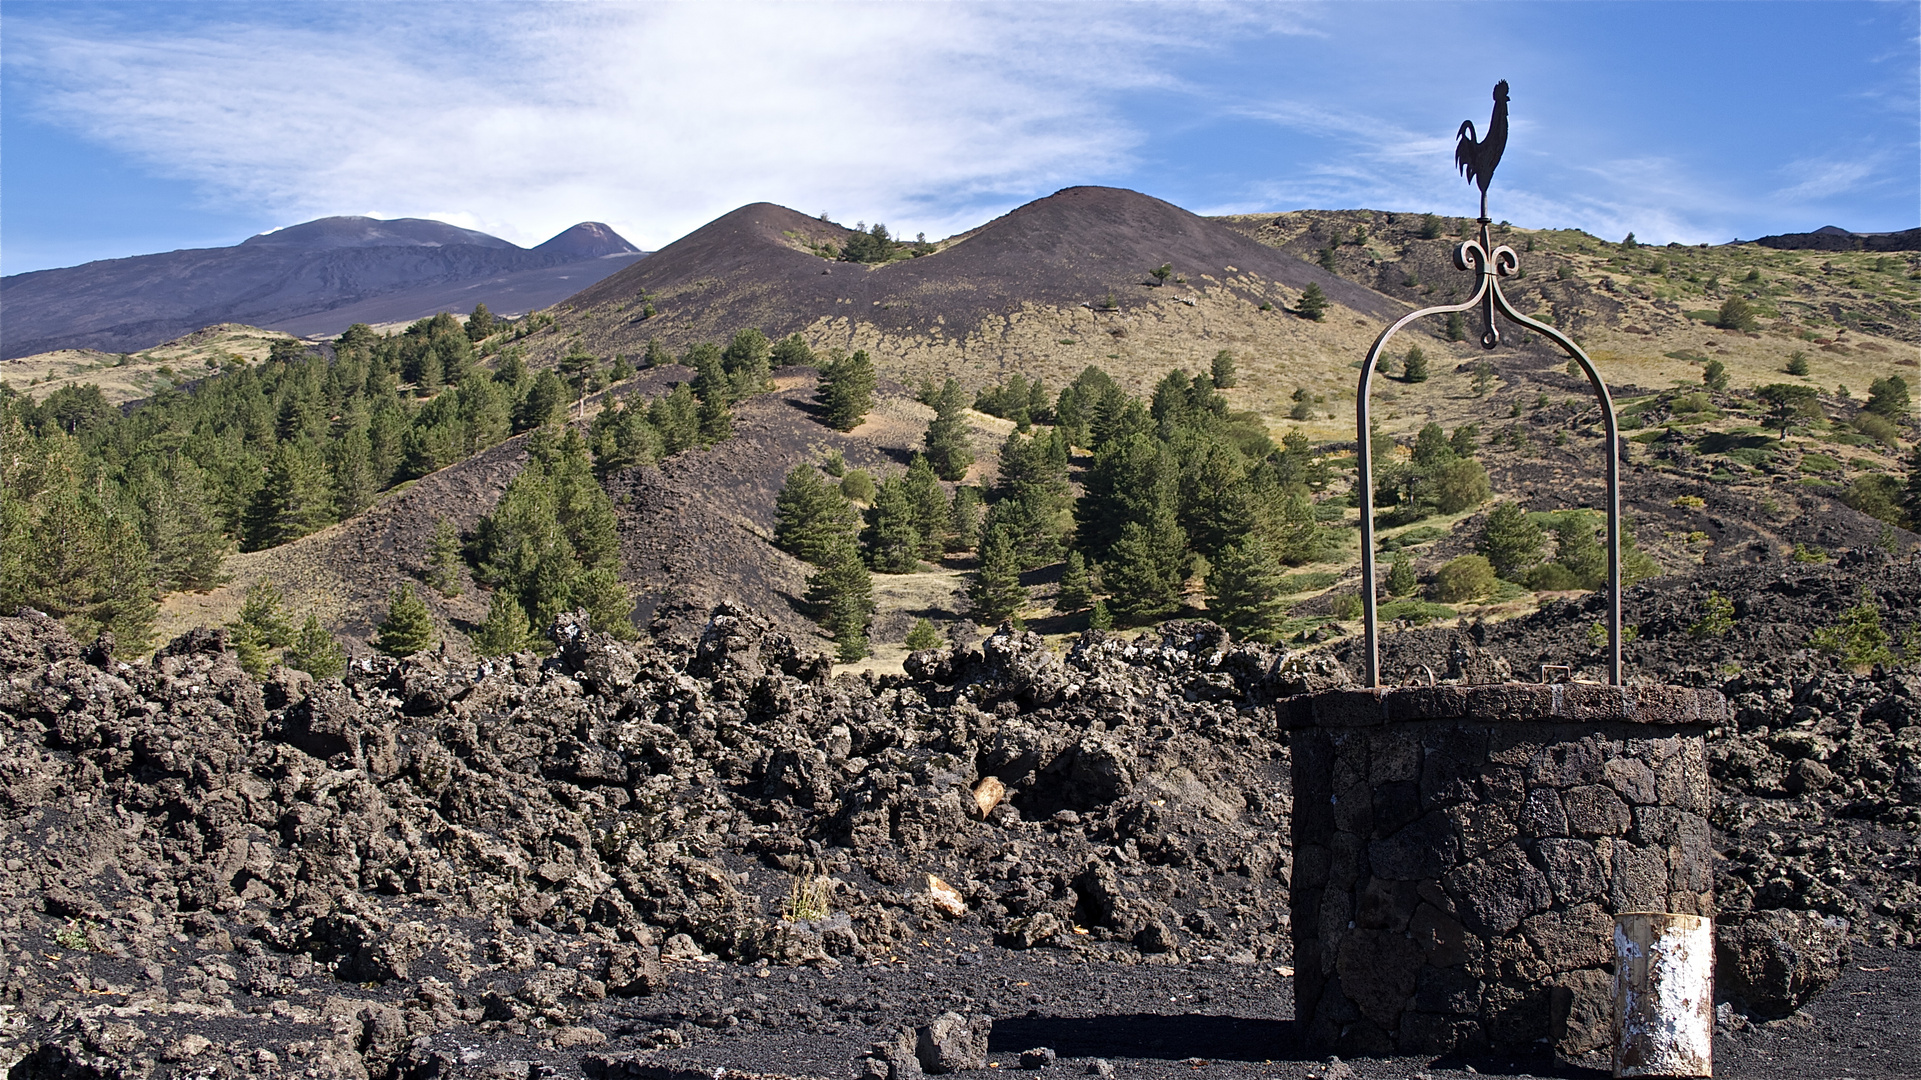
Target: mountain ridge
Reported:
[(293, 278)]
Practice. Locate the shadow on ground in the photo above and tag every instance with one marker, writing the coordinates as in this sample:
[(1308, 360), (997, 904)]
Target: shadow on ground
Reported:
[(1141, 1035)]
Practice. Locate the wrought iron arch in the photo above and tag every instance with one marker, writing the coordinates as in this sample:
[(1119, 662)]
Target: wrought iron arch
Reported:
[(1490, 264)]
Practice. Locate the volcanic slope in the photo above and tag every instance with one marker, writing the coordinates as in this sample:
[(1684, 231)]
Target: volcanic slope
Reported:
[(695, 530), (1027, 292), (313, 278)]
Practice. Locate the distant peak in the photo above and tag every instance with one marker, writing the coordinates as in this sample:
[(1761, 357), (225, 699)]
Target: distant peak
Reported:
[(588, 240), (1832, 230), (348, 232)]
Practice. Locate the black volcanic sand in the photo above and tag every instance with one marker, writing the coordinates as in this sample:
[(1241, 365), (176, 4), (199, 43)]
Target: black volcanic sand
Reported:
[(430, 871)]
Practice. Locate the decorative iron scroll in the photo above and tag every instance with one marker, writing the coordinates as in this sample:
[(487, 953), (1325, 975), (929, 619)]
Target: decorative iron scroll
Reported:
[(1477, 160)]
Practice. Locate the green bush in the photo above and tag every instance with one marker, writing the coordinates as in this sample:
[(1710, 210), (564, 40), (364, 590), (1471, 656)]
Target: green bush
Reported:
[(1465, 578), (1877, 427), (1797, 363), (1735, 314), (1417, 612), (1717, 617), (1348, 606), (1857, 638), (858, 486)]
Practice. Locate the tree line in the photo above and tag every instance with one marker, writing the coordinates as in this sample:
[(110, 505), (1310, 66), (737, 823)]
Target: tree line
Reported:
[(149, 499), (1170, 488)]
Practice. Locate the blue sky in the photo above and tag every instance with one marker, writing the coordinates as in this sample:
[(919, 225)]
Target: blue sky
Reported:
[(130, 128)]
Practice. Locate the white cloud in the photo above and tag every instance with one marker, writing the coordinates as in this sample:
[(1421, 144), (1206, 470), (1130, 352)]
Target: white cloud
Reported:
[(654, 118)]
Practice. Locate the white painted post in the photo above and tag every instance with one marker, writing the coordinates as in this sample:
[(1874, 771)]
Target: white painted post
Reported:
[(1663, 995)]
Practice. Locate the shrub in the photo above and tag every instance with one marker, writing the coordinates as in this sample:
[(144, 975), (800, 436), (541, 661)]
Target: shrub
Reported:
[(1735, 314), (1465, 578), (408, 627), (1400, 577), (923, 636), (1717, 617), (1313, 302), (1877, 495), (1797, 363), (315, 651), (858, 486), (1857, 638), (1889, 397), (1715, 375), (1348, 606), (1417, 612), (1877, 427), (1510, 541), (1414, 369)]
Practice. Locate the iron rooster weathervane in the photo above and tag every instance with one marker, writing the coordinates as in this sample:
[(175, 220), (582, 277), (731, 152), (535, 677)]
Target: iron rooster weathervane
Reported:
[(1477, 158)]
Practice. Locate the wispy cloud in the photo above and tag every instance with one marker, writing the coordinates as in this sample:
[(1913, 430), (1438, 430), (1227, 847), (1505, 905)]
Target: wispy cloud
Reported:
[(652, 117)]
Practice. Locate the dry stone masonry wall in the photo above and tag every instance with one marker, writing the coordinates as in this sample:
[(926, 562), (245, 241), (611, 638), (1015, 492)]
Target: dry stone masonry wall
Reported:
[(1461, 851)]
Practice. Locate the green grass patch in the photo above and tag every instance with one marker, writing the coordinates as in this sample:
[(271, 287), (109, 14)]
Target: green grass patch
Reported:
[(1420, 534), (1819, 463), (1417, 612), (1308, 581)]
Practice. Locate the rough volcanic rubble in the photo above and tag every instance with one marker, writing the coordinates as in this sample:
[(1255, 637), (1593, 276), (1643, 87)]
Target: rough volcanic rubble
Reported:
[(561, 857)]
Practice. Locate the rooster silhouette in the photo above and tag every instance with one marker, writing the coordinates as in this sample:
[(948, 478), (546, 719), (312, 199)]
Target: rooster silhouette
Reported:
[(1477, 158)]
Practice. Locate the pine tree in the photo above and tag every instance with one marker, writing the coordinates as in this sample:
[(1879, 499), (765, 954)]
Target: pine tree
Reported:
[(811, 516), (1223, 369), (545, 402), (1510, 540), (551, 540), (1099, 618), (1244, 590), (1456, 327), (443, 559), (260, 626), (1077, 586), (893, 538), (715, 391), (481, 323), (841, 595), (350, 463), (949, 450), (408, 627), (1414, 368), (846, 390), (296, 498), (1400, 577), (1715, 375), (1576, 548), (577, 366), (677, 417), (315, 651), (506, 629), (792, 351), (1146, 568), (996, 593), (966, 517), (1313, 302), (184, 539), (923, 636), (745, 361), (933, 518)]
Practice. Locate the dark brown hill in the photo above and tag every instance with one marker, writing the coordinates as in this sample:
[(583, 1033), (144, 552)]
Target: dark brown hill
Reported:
[(1835, 238), (755, 267)]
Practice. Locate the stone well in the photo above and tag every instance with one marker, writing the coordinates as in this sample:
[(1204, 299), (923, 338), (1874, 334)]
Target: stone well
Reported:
[(1461, 851)]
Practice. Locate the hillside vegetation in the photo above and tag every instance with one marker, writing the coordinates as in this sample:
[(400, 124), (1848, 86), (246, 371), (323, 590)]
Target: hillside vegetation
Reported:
[(982, 445)]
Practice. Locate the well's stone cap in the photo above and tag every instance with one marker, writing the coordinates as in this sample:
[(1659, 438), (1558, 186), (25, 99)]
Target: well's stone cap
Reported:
[(1500, 702)]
